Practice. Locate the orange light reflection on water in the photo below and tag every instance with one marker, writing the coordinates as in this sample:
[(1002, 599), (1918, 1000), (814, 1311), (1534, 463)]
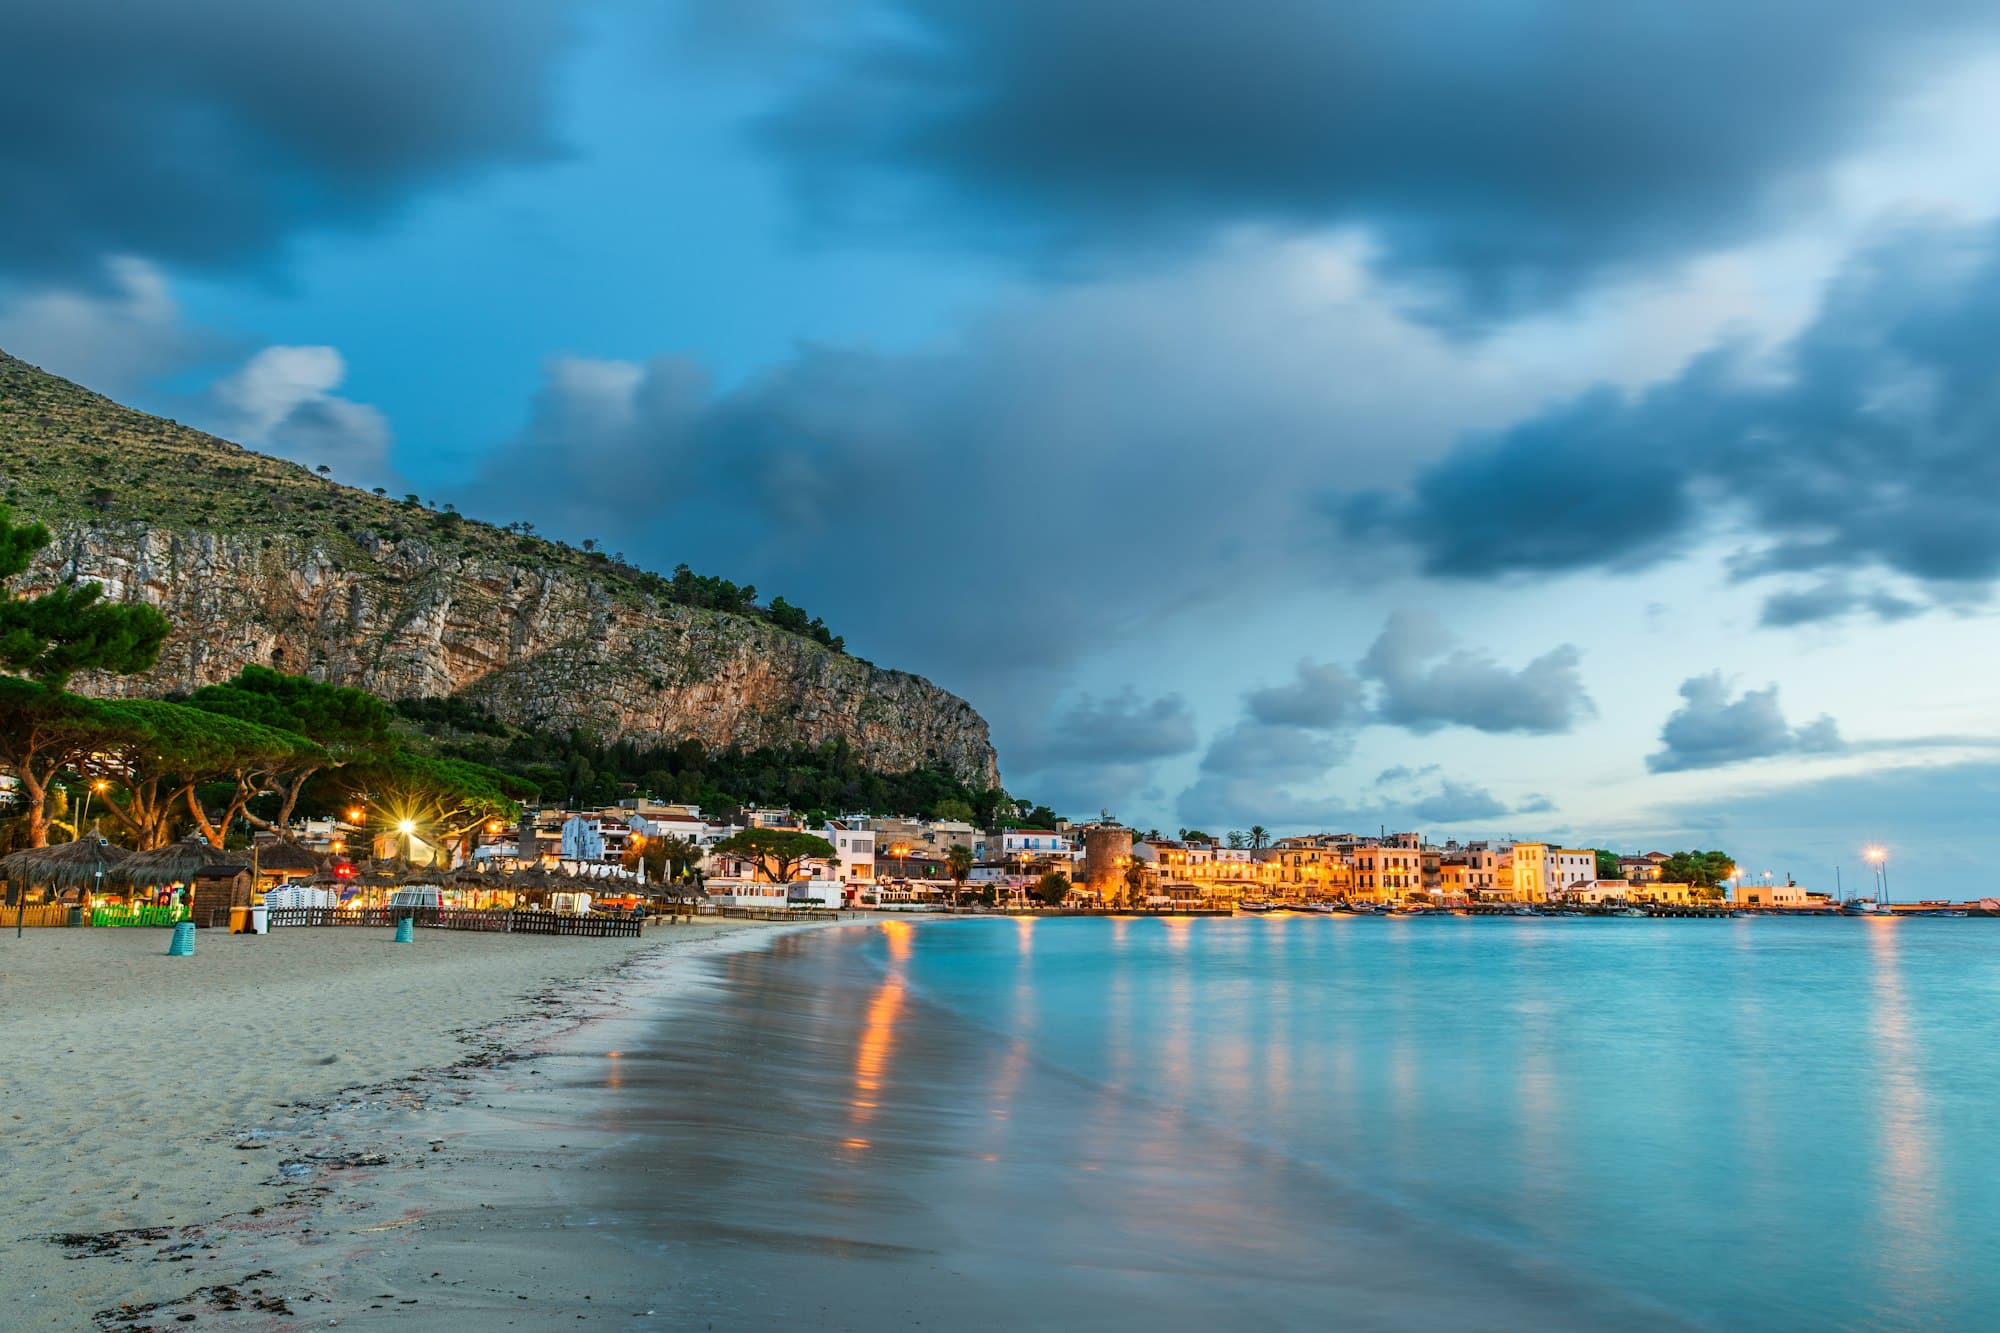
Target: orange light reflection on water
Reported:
[(877, 1045), (1907, 1178)]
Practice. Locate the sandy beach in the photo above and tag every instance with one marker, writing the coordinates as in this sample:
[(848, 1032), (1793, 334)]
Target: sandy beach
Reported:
[(228, 1140)]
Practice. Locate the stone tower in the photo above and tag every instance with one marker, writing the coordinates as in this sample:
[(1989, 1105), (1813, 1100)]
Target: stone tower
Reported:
[(1107, 850)]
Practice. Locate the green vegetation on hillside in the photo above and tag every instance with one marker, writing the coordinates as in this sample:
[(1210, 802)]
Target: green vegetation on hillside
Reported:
[(68, 455), (578, 769)]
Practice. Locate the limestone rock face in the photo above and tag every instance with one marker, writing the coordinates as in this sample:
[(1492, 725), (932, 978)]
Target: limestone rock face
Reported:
[(550, 647)]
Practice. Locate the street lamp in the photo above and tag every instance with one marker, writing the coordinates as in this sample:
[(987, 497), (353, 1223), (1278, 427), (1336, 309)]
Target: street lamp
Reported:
[(1878, 856), (408, 828), (93, 789)]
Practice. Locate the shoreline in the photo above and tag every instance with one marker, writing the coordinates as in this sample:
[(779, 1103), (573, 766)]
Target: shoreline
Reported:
[(250, 1136)]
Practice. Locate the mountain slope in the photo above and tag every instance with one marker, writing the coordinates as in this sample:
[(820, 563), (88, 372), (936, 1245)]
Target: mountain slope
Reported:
[(259, 560)]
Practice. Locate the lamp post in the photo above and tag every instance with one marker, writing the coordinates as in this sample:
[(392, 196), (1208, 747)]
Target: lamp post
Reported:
[(93, 789), (1878, 857), (408, 828)]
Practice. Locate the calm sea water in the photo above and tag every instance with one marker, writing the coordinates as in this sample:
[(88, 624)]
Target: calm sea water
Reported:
[(1288, 1121)]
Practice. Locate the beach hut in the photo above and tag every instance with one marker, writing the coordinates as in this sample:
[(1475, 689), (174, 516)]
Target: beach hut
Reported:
[(83, 865), (217, 887)]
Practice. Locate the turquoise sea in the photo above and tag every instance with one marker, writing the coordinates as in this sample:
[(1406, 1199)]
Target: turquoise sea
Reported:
[(1297, 1121)]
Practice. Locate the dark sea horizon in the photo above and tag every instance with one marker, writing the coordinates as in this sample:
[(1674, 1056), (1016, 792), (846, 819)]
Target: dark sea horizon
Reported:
[(1302, 1122)]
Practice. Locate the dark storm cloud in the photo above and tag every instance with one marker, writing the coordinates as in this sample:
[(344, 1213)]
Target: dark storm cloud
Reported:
[(1254, 774), (1292, 737), (209, 131), (997, 505), (1514, 149), (1122, 728), (1867, 442), (1711, 729), (1101, 749), (1831, 599), (1426, 681), (1459, 803), (1319, 695)]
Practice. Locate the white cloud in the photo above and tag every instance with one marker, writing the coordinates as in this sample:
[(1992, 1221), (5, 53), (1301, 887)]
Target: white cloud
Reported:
[(111, 338), (281, 400)]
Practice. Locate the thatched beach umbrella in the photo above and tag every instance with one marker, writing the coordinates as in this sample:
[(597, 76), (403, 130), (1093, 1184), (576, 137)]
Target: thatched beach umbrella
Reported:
[(285, 858), (82, 864), (176, 863)]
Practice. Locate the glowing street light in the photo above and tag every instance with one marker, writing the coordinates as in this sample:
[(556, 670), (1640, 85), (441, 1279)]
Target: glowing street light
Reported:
[(1878, 856), (408, 828)]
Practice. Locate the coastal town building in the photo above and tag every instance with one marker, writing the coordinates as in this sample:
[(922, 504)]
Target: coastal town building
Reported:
[(1542, 870), (1387, 869), (1307, 871), (1753, 894), (854, 852), (1473, 868), (1645, 868)]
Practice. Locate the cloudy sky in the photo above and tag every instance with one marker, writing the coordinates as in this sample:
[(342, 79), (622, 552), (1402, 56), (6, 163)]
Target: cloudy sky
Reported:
[(1554, 418)]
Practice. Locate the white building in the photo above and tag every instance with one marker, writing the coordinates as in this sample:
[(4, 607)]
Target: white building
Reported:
[(1020, 844), (816, 892), (581, 839), (749, 893), (854, 852), (652, 820), (1568, 866)]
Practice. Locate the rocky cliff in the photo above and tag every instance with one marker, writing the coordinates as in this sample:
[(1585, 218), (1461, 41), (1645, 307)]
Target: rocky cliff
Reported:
[(257, 560)]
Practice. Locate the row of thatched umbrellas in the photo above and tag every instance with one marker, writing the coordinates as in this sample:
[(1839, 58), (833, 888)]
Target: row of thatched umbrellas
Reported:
[(93, 861)]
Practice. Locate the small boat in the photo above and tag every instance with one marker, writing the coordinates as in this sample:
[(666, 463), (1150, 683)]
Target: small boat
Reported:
[(1631, 911), (1247, 906), (1864, 907)]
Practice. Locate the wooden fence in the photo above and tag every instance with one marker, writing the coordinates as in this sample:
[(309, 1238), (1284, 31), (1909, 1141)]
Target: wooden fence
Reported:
[(451, 918), (41, 914)]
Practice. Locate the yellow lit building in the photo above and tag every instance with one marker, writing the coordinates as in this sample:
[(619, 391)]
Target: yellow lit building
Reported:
[(1307, 873)]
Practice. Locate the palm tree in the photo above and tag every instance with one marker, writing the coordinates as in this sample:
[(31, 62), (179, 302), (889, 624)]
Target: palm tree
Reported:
[(1135, 882), (1258, 836), (958, 862)]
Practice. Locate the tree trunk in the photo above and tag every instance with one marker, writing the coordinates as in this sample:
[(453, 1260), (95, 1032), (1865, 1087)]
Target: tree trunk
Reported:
[(38, 807), (290, 792)]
